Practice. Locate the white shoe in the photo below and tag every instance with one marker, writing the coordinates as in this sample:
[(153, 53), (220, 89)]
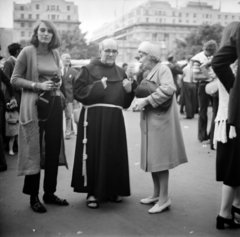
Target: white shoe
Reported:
[(157, 209), (11, 153), (149, 200)]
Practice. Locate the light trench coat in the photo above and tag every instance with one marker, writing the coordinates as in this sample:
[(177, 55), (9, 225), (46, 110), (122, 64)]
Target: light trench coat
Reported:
[(162, 145)]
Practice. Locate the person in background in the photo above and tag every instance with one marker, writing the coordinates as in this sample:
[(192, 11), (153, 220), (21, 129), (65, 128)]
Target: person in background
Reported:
[(227, 126), (13, 103), (162, 146), (69, 77), (14, 49), (190, 91), (125, 67), (176, 71), (101, 157), (209, 49), (41, 144), (12, 118)]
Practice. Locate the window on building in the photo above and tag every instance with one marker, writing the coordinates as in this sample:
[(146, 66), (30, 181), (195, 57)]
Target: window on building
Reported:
[(173, 21), (160, 20), (37, 6), (57, 17), (29, 33), (22, 16), (194, 15), (160, 12), (206, 15), (30, 24), (48, 7), (180, 20), (154, 37), (49, 16), (173, 13), (29, 16), (22, 24), (187, 14), (22, 8), (22, 33), (69, 18), (146, 12), (187, 21), (219, 16), (37, 16), (53, 7), (53, 17), (226, 17), (68, 8), (233, 17), (147, 19), (57, 8), (180, 14)]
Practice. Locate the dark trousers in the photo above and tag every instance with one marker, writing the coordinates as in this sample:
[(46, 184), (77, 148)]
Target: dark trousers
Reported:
[(190, 98), (51, 131), (182, 99), (203, 100), (2, 153), (215, 101)]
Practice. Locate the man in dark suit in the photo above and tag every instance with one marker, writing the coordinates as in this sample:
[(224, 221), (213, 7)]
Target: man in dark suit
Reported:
[(69, 76), (14, 50)]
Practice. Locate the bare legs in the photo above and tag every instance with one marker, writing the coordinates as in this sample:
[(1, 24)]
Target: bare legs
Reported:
[(11, 141), (230, 196), (160, 186), (160, 189)]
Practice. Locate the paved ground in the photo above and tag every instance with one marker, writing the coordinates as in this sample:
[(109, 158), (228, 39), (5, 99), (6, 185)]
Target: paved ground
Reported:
[(193, 190)]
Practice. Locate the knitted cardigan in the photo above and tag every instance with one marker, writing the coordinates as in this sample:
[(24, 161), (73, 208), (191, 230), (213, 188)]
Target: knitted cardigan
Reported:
[(25, 72)]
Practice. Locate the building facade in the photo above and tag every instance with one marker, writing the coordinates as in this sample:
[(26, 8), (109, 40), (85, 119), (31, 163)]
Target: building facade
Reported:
[(63, 14), (159, 23)]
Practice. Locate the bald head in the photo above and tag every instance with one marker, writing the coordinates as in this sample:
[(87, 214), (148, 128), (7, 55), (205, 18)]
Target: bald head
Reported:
[(107, 42), (66, 59), (108, 50)]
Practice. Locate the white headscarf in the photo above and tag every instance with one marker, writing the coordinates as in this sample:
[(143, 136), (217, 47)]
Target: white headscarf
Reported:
[(152, 50)]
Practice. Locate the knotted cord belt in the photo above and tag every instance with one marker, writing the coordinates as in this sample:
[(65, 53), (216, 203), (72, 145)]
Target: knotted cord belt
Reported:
[(85, 124)]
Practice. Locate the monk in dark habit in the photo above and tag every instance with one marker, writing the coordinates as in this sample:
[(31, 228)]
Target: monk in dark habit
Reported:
[(101, 157)]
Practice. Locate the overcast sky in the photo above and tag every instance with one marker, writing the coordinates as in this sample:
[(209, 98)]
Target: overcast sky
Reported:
[(93, 13)]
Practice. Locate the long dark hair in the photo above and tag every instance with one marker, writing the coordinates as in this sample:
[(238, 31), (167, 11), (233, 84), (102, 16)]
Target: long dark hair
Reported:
[(55, 42)]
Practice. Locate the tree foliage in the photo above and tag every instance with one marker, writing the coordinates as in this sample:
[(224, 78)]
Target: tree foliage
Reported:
[(76, 45), (194, 42)]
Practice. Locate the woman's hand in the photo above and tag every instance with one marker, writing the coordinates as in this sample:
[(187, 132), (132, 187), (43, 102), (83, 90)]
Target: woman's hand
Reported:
[(127, 85), (104, 82), (46, 86), (140, 103)]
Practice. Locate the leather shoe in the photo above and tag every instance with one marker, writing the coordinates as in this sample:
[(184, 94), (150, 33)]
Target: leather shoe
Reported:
[(157, 209), (149, 200)]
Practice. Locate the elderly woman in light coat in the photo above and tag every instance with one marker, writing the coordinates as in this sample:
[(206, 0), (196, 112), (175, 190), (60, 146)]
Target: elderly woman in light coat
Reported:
[(162, 146)]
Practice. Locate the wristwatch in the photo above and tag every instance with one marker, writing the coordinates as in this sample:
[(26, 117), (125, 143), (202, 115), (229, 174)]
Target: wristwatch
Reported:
[(33, 85)]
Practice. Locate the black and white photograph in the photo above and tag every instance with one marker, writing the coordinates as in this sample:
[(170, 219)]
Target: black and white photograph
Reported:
[(119, 118)]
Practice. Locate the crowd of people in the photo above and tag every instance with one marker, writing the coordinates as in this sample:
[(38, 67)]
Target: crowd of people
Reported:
[(37, 85)]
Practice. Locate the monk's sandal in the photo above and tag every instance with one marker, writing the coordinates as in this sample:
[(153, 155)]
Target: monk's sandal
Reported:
[(36, 205)]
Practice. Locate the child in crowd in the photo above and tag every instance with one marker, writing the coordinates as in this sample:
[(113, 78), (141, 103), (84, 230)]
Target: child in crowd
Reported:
[(12, 119)]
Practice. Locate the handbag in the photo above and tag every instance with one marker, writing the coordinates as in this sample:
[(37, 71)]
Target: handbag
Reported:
[(148, 87), (212, 88)]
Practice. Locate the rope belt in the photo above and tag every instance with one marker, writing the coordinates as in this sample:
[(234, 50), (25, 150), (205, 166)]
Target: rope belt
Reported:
[(85, 124)]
